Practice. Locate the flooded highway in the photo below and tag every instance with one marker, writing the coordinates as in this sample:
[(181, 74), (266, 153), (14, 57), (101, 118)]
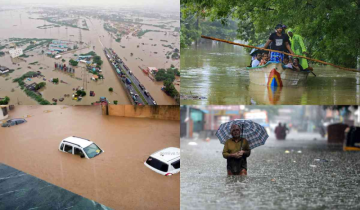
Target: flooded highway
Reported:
[(212, 69), (19, 25), (116, 178), (313, 175)]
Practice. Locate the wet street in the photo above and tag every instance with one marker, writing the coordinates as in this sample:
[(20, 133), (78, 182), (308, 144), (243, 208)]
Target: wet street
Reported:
[(275, 180), (116, 178), (212, 69)]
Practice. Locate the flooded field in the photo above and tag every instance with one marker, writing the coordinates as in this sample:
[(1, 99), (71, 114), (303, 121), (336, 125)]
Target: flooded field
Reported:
[(275, 180), (116, 178), (216, 73), (17, 24)]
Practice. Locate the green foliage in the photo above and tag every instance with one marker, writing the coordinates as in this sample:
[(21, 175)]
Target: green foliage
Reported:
[(171, 90), (73, 62), (81, 93), (118, 39), (36, 97), (55, 80), (63, 60), (115, 102), (97, 60), (111, 89), (330, 28), (163, 74), (5, 101), (177, 72), (92, 53), (40, 85)]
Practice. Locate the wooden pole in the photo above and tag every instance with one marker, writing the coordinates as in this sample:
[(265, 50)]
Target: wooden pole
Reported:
[(259, 48)]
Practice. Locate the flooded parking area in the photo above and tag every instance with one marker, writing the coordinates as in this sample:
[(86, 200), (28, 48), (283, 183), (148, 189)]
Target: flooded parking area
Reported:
[(116, 178), (311, 175)]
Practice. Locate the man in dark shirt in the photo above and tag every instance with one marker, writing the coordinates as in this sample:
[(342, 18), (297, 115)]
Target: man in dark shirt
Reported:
[(280, 42)]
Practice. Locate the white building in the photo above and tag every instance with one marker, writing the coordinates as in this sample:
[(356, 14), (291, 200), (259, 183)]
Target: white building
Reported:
[(14, 53), (4, 112)]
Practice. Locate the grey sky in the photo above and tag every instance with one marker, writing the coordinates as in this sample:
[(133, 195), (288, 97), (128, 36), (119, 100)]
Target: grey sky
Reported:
[(166, 5)]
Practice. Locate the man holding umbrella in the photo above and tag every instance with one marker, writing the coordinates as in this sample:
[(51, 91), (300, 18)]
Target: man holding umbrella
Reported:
[(239, 138), (236, 150)]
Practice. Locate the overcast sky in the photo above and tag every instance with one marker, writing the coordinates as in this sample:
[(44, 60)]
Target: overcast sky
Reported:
[(166, 5)]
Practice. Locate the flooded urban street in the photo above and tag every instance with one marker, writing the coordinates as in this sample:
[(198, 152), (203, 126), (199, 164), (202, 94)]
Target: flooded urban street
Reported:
[(275, 180), (216, 73), (136, 52), (116, 178)]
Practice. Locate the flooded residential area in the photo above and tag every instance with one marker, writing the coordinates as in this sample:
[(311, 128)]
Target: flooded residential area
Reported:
[(63, 48), (117, 177)]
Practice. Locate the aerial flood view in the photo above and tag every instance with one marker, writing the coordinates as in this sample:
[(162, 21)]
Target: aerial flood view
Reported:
[(84, 54), (115, 143)]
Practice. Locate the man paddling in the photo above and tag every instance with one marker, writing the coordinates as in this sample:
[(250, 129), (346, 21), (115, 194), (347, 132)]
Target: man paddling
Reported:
[(280, 42)]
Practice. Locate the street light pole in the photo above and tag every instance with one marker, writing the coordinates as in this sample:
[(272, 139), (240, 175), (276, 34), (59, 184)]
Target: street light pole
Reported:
[(187, 121)]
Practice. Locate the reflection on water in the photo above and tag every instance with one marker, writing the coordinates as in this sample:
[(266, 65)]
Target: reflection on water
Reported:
[(218, 72), (116, 178), (275, 180)]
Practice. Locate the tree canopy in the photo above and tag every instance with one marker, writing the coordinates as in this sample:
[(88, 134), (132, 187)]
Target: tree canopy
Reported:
[(330, 28)]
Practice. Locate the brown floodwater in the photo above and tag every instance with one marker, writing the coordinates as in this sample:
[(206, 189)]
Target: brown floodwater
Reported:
[(116, 178), (144, 56)]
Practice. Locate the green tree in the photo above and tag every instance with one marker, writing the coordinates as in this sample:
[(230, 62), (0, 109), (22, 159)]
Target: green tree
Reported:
[(40, 85), (97, 60), (330, 28), (81, 93), (115, 102), (111, 89), (73, 62)]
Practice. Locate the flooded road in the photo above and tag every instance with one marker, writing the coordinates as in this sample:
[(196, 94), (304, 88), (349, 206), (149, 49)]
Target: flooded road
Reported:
[(275, 180), (116, 178), (217, 72), (17, 24)]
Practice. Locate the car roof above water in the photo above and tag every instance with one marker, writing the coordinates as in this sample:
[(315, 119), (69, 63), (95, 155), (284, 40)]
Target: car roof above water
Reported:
[(79, 141), (167, 155)]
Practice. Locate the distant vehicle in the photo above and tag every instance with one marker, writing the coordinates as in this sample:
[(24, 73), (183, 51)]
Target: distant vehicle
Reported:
[(141, 86), (260, 117), (134, 97), (130, 72), (131, 93), (165, 162), (128, 81), (154, 103), (80, 146), (12, 122), (146, 93)]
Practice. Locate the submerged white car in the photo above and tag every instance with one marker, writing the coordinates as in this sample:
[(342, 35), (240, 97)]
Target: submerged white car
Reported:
[(165, 162), (80, 146)]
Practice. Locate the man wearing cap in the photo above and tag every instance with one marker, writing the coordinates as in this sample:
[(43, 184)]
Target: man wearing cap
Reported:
[(298, 47), (280, 42)]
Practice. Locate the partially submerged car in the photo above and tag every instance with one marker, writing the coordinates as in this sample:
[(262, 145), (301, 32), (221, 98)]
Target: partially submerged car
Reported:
[(80, 146), (12, 122), (165, 162)]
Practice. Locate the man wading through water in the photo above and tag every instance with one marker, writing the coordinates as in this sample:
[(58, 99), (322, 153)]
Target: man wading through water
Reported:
[(236, 150)]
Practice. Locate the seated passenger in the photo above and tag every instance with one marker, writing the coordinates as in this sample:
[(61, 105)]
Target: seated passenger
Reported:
[(296, 65), (256, 62), (265, 59), (286, 62)]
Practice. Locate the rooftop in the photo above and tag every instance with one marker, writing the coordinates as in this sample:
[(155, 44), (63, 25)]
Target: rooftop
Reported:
[(167, 155), (79, 141)]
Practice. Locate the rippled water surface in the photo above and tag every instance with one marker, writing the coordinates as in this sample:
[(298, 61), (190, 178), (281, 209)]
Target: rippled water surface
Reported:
[(217, 71), (275, 180)]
